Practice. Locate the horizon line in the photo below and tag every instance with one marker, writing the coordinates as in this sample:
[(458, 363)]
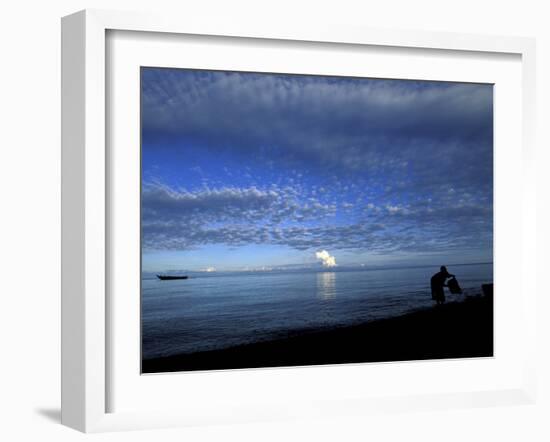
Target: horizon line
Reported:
[(287, 267)]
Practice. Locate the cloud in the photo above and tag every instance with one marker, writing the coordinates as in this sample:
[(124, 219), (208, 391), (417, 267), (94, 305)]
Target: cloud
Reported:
[(327, 259), (161, 203), (398, 140), (235, 217), (329, 122), (315, 163), (187, 102)]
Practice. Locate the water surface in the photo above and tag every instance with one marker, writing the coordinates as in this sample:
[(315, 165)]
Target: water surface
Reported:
[(218, 310)]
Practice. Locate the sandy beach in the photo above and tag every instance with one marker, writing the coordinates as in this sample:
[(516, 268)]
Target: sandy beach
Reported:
[(453, 330)]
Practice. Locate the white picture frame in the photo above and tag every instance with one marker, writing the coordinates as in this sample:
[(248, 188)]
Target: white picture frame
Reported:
[(86, 205)]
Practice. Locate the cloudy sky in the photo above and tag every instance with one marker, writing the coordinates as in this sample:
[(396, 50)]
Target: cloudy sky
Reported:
[(247, 170)]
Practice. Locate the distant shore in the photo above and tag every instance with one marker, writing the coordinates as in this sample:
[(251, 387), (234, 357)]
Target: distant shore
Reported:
[(454, 330)]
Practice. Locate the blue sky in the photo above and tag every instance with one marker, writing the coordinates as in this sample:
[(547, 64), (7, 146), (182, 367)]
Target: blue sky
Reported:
[(250, 170)]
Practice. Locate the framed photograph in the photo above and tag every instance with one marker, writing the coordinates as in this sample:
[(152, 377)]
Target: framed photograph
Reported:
[(295, 219), (262, 222)]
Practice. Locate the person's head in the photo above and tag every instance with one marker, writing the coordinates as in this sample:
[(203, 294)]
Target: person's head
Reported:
[(443, 269)]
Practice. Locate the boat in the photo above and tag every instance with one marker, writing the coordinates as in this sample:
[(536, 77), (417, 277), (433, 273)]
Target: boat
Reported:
[(169, 278)]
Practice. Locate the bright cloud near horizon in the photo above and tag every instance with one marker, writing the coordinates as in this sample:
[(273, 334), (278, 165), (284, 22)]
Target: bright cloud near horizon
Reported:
[(250, 170), (326, 259)]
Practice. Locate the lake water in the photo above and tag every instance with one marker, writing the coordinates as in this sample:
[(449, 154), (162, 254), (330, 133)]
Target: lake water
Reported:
[(218, 310)]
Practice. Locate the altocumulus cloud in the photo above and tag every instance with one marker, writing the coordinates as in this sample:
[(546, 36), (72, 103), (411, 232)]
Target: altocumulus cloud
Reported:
[(330, 122), (318, 163), (182, 220), (162, 203)]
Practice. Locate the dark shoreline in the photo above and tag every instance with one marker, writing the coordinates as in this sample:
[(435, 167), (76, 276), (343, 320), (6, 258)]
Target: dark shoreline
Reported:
[(454, 330)]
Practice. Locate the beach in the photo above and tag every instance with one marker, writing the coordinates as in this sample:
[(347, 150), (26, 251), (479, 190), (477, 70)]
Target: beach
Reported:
[(453, 330)]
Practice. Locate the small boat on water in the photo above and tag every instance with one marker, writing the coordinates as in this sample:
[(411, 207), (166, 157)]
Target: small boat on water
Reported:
[(169, 277)]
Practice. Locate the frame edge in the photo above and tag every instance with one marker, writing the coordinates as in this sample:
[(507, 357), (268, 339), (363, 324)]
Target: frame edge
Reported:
[(83, 222), (73, 80)]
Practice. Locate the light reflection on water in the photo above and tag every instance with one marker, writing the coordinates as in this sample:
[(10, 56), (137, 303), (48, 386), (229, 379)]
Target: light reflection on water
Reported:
[(326, 285)]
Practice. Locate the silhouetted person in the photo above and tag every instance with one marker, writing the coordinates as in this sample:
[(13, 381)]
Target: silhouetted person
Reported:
[(437, 283)]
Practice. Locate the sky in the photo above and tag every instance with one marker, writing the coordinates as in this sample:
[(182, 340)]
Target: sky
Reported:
[(260, 171)]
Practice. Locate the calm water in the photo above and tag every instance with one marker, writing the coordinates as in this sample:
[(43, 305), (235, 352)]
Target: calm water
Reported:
[(210, 311)]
